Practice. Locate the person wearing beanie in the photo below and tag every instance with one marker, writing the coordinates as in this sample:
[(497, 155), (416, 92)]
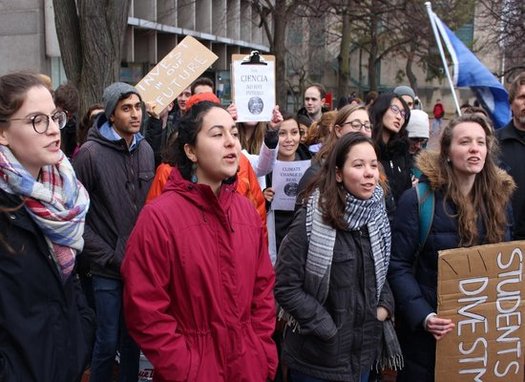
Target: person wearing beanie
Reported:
[(116, 165), (418, 131), (407, 93)]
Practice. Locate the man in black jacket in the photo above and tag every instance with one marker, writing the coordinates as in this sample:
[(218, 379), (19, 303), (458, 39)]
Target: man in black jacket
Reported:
[(512, 142), (116, 166)]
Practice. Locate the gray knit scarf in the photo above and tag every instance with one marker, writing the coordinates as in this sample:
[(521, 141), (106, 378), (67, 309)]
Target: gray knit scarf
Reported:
[(358, 213), (321, 237)]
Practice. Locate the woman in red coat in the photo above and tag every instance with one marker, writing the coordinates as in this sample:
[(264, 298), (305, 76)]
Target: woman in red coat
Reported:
[(198, 282)]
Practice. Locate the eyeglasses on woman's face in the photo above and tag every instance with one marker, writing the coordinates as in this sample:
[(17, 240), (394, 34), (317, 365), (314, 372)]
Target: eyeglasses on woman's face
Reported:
[(357, 125), (396, 110), (40, 121)]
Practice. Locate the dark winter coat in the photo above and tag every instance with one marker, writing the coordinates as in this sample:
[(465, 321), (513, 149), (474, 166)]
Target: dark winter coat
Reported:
[(117, 181), (396, 162), (413, 277), (351, 305), (512, 157), (46, 327)]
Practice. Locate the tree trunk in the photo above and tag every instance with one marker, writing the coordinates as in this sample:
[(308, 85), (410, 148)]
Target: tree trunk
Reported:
[(279, 50), (344, 55), (68, 31), (91, 44), (408, 68), (372, 54)]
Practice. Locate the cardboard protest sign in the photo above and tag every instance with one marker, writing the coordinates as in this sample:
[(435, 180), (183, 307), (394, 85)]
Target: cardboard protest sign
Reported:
[(177, 70), (482, 290), (253, 87)]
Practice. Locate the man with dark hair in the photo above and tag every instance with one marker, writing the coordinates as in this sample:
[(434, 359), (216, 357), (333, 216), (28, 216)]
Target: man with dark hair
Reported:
[(314, 100), (202, 85), (512, 143), (67, 99), (116, 166)]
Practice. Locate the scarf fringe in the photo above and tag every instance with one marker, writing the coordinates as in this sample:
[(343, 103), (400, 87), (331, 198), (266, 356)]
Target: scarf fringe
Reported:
[(288, 320), (395, 362)]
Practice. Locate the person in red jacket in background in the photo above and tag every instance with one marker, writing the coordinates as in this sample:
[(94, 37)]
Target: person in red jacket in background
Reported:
[(439, 113), (198, 281)]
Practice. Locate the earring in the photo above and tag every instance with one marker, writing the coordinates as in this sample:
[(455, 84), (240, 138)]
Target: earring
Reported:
[(448, 160), (194, 178)]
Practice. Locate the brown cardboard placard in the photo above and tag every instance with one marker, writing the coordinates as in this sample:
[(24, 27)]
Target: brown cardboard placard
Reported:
[(482, 290), (175, 72)]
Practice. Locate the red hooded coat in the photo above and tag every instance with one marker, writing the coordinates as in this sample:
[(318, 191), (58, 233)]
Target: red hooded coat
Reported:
[(198, 286)]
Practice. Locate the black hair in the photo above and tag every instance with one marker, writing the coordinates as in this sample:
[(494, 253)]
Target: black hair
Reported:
[(377, 112), (189, 127)]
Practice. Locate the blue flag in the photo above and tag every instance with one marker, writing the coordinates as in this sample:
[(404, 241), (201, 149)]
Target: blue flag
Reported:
[(470, 72)]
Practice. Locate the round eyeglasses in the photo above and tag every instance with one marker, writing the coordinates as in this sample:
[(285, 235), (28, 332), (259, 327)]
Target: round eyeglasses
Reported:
[(40, 121), (396, 110), (357, 125)]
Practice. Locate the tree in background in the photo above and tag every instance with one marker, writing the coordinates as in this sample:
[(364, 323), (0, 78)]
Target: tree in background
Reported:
[(275, 17), (91, 34), (504, 19)]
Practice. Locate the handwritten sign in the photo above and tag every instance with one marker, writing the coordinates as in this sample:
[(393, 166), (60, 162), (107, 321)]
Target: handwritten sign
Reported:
[(177, 70), (285, 182), (482, 289)]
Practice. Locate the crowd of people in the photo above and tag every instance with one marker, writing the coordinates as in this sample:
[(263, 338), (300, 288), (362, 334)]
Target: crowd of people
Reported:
[(133, 230)]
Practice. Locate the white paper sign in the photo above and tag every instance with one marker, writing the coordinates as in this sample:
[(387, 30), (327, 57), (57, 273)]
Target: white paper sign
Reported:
[(285, 182), (254, 91)]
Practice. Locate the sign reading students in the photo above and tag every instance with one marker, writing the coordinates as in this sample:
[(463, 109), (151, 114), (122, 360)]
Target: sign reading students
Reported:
[(481, 289), (253, 86), (177, 70)]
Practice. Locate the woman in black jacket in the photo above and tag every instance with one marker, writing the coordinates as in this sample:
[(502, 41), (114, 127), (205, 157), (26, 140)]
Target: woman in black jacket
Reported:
[(46, 328), (331, 270), (389, 115)]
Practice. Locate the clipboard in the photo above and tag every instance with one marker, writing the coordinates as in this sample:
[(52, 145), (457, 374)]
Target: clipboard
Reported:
[(253, 86)]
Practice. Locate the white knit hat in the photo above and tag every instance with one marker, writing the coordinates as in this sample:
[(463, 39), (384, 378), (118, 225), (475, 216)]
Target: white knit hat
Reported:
[(418, 124)]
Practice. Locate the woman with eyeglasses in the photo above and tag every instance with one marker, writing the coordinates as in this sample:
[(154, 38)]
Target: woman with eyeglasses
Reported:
[(350, 118), (389, 116), (46, 327)]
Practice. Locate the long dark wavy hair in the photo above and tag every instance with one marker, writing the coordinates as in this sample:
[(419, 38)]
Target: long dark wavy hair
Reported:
[(333, 200)]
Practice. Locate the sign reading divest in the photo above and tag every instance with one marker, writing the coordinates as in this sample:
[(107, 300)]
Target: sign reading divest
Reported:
[(175, 72), (481, 290)]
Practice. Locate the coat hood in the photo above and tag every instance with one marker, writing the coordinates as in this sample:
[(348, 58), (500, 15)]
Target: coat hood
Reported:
[(95, 134), (200, 194), (428, 162)]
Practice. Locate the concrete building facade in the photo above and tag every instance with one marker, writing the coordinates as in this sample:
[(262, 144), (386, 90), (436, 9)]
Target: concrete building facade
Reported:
[(28, 37)]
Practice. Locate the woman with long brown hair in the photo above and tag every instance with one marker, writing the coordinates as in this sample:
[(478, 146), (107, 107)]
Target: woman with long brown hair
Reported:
[(331, 271), (471, 207)]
